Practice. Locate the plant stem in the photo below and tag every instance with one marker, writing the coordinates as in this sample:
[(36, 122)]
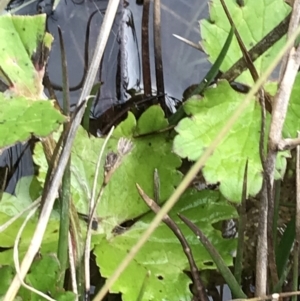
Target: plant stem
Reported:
[(238, 266), (218, 260), (62, 251)]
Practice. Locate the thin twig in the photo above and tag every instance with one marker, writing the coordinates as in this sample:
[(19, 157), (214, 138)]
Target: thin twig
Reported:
[(293, 24), (14, 218), (288, 144), (279, 111), (218, 260), (72, 267), (188, 42), (16, 256), (247, 58), (160, 86), (261, 267), (297, 225), (92, 206), (256, 51), (201, 292), (145, 49)]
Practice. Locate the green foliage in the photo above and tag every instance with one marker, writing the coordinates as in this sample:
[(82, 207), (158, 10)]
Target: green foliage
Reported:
[(226, 165), (23, 110), (23, 113), (121, 200), (24, 42), (11, 205), (209, 114), (292, 121), (45, 281), (253, 21), (6, 276), (21, 117), (162, 254)]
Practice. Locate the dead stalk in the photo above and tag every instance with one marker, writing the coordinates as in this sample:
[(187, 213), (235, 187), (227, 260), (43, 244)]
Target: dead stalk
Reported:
[(279, 110), (92, 205)]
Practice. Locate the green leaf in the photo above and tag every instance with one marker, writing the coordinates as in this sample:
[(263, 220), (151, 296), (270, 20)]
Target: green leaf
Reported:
[(6, 276), (24, 49), (121, 200), (11, 205), (226, 165), (162, 255), (253, 21), (50, 265), (152, 120), (20, 118), (44, 276)]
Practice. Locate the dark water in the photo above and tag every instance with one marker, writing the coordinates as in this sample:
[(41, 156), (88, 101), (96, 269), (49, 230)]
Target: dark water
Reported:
[(182, 65)]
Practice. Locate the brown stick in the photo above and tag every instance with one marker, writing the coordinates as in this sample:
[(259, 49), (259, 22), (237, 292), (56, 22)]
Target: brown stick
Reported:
[(160, 87), (145, 49), (201, 292), (248, 60), (256, 51)]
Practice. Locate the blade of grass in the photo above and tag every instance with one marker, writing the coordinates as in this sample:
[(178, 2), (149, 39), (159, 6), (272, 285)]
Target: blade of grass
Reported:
[(285, 246), (87, 112), (65, 194), (211, 74)]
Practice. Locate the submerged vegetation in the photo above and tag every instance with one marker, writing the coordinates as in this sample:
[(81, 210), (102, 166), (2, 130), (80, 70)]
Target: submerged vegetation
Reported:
[(153, 206)]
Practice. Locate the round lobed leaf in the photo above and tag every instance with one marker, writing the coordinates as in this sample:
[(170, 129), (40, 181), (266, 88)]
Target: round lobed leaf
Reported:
[(226, 165)]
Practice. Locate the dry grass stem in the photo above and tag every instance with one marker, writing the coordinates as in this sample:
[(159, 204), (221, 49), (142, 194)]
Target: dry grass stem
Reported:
[(14, 218), (188, 42), (92, 206), (200, 289), (16, 257), (72, 267)]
